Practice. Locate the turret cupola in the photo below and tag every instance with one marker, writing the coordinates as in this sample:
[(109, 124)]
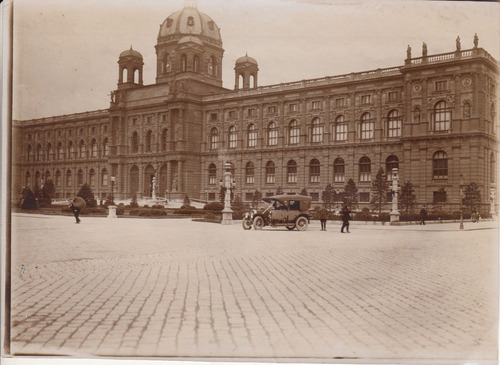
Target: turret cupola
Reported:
[(130, 69), (246, 70)]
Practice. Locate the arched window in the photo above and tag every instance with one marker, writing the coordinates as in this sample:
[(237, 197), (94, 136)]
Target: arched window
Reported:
[(214, 138), (314, 171), (183, 63), (79, 178), (92, 177), (168, 64), (104, 177), (93, 148), (46, 176), (293, 132), (68, 179), (37, 178), (338, 170), (250, 173), (367, 126), (252, 135), (164, 134), (148, 140), (28, 153), (71, 150), (440, 165), (105, 147), (38, 152), (272, 134), (196, 64), (233, 137), (60, 151), (27, 179), (212, 174), (291, 171), (391, 162), (135, 142), (466, 111), (270, 172), (442, 117), (317, 131), (365, 169), (340, 129), (212, 66), (49, 151), (393, 124), (57, 181), (81, 149)]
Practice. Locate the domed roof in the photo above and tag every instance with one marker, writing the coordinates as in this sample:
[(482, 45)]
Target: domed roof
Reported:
[(131, 53), (246, 59), (190, 21)]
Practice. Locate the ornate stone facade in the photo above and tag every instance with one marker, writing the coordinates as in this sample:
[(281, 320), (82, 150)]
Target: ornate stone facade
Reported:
[(434, 117)]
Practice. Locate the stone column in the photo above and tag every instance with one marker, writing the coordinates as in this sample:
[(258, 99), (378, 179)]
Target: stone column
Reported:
[(180, 177)]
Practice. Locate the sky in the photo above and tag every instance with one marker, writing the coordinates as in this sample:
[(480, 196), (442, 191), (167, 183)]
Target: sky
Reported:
[(65, 52)]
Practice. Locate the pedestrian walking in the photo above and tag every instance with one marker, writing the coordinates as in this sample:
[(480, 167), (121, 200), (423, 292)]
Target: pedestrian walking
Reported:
[(423, 215), (323, 216), (76, 205), (346, 217)]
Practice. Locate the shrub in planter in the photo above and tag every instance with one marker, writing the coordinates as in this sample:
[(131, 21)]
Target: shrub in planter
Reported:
[(214, 206), (157, 206), (384, 217)]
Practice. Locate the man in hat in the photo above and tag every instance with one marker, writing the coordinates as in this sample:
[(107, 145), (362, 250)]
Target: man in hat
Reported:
[(76, 211)]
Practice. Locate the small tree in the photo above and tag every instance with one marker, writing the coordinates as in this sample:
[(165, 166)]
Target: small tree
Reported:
[(133, 202), (351, 194), (48, 193), (29, 200), (38, 193), (237, 204), (86, 193), (407, 197), (256, 198), (472, 197), (304, 192), (328, 196), (379, 190), (279, 191)]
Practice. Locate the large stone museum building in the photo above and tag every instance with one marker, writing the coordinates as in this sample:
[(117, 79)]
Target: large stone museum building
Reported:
[(433, 117)]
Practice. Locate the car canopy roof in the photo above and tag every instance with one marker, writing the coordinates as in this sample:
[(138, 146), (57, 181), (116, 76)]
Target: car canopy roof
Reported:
[(305, 201)]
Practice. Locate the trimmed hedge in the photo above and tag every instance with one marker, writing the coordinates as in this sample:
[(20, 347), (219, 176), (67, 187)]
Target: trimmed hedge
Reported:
[(145, 212)]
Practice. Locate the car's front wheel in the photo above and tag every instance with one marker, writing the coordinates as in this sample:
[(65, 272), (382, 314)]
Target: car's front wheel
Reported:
[(246, 223), (302, 223), (258, 223)]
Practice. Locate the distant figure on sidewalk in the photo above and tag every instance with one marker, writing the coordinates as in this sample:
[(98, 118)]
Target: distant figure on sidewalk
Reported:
[(346, 217), (323, 216), (423, 215), (76, 206)]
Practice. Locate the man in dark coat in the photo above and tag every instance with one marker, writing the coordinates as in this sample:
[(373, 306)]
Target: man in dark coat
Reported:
[(423, 215), (76, 211), (346, 216), (323, 216)]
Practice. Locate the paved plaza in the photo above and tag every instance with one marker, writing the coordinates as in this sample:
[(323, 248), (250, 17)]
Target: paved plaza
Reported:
[(177, 288)]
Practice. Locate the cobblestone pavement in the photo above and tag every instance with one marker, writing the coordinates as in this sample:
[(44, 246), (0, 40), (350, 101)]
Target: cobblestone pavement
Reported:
[(156, 287)]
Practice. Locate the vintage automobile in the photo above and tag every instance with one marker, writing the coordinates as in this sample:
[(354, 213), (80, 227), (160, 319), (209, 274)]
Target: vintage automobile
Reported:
[(290, 211)]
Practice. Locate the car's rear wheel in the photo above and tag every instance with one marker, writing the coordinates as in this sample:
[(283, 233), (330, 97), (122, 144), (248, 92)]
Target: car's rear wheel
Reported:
[(291, 228), (246, 223), (258, 223), (302, 223)]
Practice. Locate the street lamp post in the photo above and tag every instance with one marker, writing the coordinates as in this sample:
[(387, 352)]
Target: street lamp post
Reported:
[(461, 204), (113, 180)]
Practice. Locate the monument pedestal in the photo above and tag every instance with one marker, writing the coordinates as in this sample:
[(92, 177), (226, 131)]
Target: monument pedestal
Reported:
[(394, 217), (227, 216), (112, 211)]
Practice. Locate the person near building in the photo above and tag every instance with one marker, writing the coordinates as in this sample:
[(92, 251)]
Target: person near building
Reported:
[(346, 217), (323, 216), (423, 215), (76, 211)]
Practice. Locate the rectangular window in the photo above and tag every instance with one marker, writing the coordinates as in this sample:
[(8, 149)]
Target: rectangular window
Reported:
[(394, 128), (316, 105), (250, 179), (340, 102), (270, 178), (271, 109), (393, 95), (252, 138), (439, 197), (213, 117), (293, 108), (314, 196), (366, 99), (272, 137), (367, 130), (441, 85), (294, 135), (252, 112), (341, 132), (232, 114), (364, 197)]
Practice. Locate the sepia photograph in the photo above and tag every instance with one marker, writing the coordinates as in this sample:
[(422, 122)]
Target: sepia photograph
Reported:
[(292, 181)]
